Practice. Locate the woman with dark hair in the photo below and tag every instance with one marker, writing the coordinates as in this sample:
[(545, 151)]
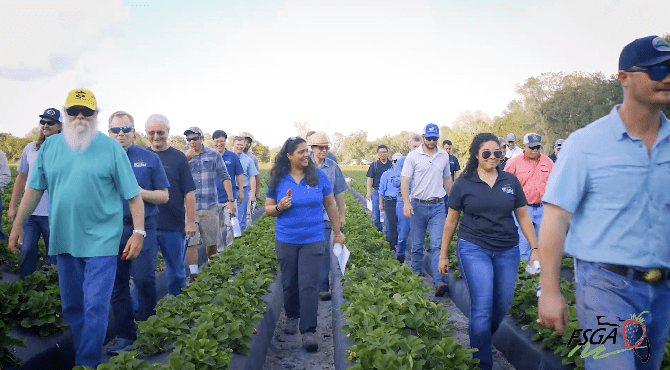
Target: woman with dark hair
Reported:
[(302, 190), (488, 241)]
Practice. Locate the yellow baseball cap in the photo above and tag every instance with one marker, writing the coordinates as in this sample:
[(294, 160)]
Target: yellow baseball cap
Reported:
[(81, 97)]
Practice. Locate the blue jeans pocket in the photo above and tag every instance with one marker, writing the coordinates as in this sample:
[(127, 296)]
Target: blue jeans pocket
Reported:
[(602, 278)]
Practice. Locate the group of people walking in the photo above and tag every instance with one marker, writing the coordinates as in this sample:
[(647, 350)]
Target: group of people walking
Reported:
[(105, 206)]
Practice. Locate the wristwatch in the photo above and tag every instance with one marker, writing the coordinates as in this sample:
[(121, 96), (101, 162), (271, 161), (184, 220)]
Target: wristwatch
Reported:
[(141, 232)]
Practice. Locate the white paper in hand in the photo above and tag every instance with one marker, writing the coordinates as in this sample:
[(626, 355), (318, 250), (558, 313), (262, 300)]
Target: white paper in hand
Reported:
[(534, 268), (369, 203), (342, 253)]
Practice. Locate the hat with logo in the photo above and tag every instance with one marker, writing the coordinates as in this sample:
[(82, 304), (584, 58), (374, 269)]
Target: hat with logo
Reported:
[(319, 138), (431, 130), (193, 130), (396, 156), (52, 113), (559, 142), (81, 97), (644, 52), (532, 139), (510, 137)]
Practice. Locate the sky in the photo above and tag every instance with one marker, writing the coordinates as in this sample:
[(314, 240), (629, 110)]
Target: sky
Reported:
[(382, 66)]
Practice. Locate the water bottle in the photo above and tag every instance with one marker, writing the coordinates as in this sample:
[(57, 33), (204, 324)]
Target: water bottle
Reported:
[(539, 290), (235, 223), (382, 217)]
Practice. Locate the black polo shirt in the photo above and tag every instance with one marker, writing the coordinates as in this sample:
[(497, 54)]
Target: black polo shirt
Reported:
[(487, 212), (377, 168)]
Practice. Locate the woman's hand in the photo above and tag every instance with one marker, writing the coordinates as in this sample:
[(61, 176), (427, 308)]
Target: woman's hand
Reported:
[(443, 265), (338, 238), (284, 203), (534, 256)]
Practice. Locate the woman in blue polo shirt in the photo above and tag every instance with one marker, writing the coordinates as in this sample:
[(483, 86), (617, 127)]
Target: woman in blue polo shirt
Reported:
[(302, 190), (488, 241)]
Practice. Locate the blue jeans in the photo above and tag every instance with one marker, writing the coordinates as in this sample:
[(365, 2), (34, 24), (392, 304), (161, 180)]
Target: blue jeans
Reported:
[(143, 271), (375, 210), (242, 209), (33, 227), (403, 228), (391, 222), (324, 282), (490, 277), (428, 217), (172, 247), (300, 265), (601, 292), (85, 293), (536, 218)]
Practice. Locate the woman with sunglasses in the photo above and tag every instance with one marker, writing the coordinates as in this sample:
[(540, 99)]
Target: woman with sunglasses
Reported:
[(488, 242), (296, 194)]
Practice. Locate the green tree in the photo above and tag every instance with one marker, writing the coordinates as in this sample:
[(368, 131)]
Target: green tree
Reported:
[(356, 146), (12, 146), (177, 141)]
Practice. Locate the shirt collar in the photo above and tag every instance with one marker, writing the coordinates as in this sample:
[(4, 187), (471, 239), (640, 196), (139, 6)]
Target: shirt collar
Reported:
[(619, 130)]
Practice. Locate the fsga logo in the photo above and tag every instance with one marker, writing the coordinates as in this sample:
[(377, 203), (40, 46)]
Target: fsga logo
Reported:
[(633, 333)]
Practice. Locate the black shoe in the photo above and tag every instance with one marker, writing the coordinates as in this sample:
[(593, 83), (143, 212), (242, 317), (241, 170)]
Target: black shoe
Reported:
[(309, 342), (400, 259), (440, 289), (324, 295)]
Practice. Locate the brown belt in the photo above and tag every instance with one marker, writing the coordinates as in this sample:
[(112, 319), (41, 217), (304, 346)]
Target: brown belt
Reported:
[(652, 276)]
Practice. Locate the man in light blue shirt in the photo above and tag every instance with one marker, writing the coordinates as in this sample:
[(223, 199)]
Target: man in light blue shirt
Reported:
[(610, 184), (250, 177)]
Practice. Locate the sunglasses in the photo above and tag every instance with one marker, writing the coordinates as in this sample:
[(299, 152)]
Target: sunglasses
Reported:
[(656, 73), (50, 123), (320, 147), (535, 147), (431, 138), (487, 153), (194, 138), (74, 112), (125, 129)]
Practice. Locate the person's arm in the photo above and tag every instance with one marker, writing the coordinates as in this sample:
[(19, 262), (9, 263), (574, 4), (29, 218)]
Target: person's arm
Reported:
[(189, 203), (526, 225), (341, 207), (331, 208), (17, 192), (552, 310), (273, 208), (368, 186), (252, 188), (257, 182), (134, 244), (227, 185), (448, 183), (30, 200), (404, 191), (240, 187), (160, 196), (448, 233)]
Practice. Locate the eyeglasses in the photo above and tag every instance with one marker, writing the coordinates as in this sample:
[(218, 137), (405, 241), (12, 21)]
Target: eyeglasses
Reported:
[(656, 73), (487, 153), (125, 129), (74, 112), (320, 147), (50, 123), (431, 138), (535, 147), (194, 138)]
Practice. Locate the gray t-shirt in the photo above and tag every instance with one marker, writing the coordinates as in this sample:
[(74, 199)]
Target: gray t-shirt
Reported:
[(427, 173), (28, 158)]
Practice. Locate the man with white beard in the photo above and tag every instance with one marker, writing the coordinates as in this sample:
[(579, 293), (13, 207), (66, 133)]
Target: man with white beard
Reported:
[(85, 173)]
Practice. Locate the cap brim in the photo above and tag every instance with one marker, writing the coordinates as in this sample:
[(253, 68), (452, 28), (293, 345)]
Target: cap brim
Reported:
[(657, 60), (534, 144)]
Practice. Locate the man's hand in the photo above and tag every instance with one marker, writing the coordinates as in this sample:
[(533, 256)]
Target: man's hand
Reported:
[(232, 208), (534, 256), (368, 196), (407, 210), (338, 238), (381, 206), (133, 247), (240, 197), (552, 311), (190, 229), (342, 221), (252, 198), (443, 265), (11, 214), (190, 154), (15, 239)]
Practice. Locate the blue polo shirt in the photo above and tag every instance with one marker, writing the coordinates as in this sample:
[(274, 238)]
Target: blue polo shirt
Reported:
[(234, 167), (150, 175), (248, 167), (487, 211), (301, 223), (387, 187), (617, 193)]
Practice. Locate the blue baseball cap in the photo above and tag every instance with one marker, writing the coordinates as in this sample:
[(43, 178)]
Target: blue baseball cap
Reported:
[(644, 52), (532, 139), (52, 113), (431, 130)]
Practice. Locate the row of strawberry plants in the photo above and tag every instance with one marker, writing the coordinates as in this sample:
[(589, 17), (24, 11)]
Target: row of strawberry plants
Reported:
[(216, 314), (389, 317)]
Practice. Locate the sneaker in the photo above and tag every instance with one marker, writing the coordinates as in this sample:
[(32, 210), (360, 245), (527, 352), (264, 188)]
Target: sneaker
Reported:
[(291, 326), (309, 342), (440, 289), (401, 259), (324, 295), (117, 345)]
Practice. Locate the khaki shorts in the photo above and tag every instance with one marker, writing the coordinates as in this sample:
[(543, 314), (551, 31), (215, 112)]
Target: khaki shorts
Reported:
[(207, 227)]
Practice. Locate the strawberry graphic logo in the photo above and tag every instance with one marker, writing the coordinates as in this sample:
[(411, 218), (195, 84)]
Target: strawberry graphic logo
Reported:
[(634, 330)]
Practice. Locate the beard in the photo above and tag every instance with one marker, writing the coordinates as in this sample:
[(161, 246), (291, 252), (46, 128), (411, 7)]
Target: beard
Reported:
[(79, 133)]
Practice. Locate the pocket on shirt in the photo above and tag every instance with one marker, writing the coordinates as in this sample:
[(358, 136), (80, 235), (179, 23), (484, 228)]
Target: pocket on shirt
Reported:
[(615, 186)]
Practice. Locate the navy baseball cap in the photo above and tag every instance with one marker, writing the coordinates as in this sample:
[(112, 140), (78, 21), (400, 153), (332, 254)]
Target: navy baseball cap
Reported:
[(532, 139), (644, 52), (431, 130), (52, 113)]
